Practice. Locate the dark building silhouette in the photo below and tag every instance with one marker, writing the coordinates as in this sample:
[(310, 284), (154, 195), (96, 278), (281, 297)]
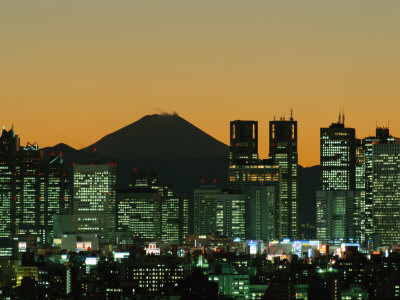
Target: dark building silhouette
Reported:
[(243, 142)]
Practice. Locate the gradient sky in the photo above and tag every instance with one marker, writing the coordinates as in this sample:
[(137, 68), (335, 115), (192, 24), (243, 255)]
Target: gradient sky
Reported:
[(73, 71)]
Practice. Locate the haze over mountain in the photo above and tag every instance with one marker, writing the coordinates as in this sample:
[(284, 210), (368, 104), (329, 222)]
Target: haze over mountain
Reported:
[(166, 136)]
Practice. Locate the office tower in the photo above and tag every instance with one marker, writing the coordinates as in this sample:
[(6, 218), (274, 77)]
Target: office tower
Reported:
[(283, 152), (94, 199), (386, 192), (139, 213), (263, 218), (337, 166), (339, 205), (57, 191), (9, 148), (359, 204), (246, 170), (244, 142), (335, 215), (204, 209), (31, 201), (174, 218), (174, 208), (230, 213), (382, 136)]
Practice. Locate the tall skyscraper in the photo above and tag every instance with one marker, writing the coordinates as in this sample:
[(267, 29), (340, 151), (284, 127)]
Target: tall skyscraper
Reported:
[(283, 152), (31, 190), (382, 136), (386, 192), (246, 170), (339, 204), (243, 142), (94, 201), (337, 166), (57, 191), (9, 149)]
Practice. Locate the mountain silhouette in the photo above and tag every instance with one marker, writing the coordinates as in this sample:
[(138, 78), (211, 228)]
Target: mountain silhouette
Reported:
[(166, 136), (182, 155)]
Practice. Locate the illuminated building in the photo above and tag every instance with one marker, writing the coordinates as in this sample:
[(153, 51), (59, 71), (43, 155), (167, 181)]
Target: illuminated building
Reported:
[(174, 208), (382, 136), (94, 201), (337, 167), (230, 214), (230, 282), (153, 273), (386, 191), (244, 142), (262, 212), (31, 191), (139, 213), (31, 202), (340, 206), (205, 209), (283, 152), (175, 218), (246, 170), (57, 191)]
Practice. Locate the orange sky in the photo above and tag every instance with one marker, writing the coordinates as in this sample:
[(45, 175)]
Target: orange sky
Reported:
[(73, 71)]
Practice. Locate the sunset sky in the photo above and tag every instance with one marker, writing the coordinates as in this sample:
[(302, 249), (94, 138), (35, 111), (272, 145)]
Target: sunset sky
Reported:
[(73, 71)]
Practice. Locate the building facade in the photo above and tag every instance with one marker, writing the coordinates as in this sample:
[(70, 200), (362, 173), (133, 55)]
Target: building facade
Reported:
[(283, 152), (94, 199)]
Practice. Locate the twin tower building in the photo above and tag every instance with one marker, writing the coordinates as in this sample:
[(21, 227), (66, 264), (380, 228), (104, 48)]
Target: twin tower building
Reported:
[(261, 200)]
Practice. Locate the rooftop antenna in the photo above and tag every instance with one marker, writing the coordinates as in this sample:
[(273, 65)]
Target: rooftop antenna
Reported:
[(291, 114), (343, 116), (376, 123), (340, 112)]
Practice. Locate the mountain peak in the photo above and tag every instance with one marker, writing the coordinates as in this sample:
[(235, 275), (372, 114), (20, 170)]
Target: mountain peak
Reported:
[(162, 136)]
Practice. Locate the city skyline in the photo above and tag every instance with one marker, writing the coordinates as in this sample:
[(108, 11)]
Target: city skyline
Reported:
[(263, 143), (91, 68)]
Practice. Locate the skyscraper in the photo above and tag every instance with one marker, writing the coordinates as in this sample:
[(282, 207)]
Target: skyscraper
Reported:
[(246, 170), (386, 192), (243, 142), (283, 152), (339, 204), (57, 191), (94, 201), (382, 136), (337, 148)]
